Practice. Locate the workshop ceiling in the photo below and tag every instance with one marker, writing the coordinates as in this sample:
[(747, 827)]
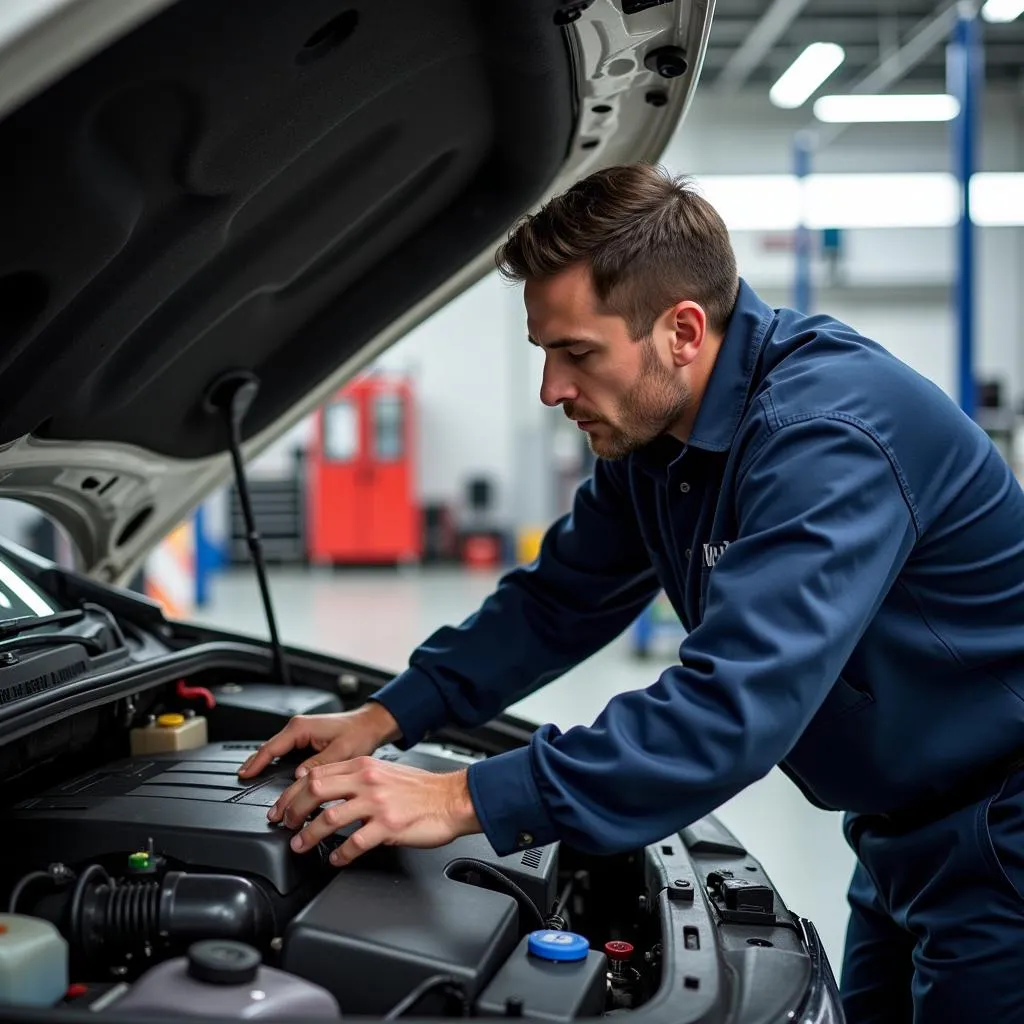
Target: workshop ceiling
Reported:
[(754, 41)]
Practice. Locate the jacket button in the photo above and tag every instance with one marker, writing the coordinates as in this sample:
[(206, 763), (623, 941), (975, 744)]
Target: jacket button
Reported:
[(524, 839), (684, 487), (688, 553)]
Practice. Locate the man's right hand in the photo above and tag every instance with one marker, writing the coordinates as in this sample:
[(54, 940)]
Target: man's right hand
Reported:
[(337, 737)]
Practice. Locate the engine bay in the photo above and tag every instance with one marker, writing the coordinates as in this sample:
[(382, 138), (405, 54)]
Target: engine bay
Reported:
[(150, 860), (146, 882)]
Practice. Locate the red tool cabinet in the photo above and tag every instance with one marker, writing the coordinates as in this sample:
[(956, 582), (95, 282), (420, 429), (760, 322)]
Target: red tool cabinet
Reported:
[(360, 476)]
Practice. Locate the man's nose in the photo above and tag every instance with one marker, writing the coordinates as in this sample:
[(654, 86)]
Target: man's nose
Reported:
[(557, 387)]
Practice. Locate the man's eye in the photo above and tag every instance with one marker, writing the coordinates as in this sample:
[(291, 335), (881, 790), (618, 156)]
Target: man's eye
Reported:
[(578, 357)]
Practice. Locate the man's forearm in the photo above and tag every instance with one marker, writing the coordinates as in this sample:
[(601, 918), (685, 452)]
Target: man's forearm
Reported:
[(592, 578)]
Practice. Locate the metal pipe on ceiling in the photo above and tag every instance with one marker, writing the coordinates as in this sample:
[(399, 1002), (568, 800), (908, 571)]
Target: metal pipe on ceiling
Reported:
[(922, 40), (758, 43)]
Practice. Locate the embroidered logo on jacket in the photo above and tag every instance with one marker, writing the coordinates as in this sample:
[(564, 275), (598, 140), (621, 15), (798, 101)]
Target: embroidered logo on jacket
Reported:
[(713, 552)]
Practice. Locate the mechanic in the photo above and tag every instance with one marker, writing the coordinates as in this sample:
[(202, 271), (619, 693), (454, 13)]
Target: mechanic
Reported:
[(845, 549)]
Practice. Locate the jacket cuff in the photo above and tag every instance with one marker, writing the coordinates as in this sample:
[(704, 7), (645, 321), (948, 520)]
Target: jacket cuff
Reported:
[(416, 704), (508, 803)]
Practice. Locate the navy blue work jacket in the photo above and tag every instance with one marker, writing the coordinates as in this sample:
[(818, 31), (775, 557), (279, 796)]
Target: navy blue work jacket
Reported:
[(845, 549)]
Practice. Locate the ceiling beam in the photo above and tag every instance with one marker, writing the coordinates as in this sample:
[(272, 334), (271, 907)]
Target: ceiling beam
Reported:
[(929, 33), (759, 41)]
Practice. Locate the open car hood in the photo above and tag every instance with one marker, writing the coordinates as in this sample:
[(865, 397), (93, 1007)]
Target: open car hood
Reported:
[(283, 188)]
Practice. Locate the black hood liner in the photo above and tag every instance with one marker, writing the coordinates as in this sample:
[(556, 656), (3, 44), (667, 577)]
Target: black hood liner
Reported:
[(258, 184)]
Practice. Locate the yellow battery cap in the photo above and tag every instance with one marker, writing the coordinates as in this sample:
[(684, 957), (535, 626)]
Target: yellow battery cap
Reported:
[(170, 721)]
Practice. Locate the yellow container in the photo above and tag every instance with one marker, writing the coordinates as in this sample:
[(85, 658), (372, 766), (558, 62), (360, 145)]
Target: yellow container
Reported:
[(528, 544), (169, 732)]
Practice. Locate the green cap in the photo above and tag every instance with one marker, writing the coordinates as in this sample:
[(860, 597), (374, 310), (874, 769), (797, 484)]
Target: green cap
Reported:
[(138, 861)]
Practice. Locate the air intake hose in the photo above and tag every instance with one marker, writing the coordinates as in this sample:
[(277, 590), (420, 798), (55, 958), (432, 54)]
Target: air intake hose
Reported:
[(108, 919)]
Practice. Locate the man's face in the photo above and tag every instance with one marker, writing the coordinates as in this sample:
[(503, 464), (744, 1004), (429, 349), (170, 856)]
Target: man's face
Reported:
[(623, 393)]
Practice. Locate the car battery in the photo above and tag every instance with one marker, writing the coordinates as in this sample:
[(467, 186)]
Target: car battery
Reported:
[(551, 975)]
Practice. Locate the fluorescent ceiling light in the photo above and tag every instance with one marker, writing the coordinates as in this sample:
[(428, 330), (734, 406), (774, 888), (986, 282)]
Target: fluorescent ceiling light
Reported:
[(1002, 10), (997, 198), (886, 107), (773, 202), (924, 200), (754, 202), (803, 77)]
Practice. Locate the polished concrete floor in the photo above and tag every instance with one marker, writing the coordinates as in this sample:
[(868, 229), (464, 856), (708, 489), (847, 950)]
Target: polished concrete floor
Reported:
[(379, 616)]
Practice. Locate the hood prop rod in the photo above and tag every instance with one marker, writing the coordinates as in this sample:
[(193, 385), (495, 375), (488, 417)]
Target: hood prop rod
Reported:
[(231, 396)]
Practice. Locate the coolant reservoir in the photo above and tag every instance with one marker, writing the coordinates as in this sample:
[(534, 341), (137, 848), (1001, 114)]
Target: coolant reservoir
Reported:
[(169, 732), (223, 978), (33, 962)]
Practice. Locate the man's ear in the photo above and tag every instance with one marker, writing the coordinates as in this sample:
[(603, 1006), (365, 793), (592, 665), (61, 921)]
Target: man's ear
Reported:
[(688, 324)]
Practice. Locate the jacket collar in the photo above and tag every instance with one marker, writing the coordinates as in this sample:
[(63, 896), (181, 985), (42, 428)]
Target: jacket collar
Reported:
[(726, 395)]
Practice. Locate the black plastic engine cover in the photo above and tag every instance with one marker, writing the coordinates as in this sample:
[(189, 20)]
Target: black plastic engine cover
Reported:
[(201, 816), (190, 803)]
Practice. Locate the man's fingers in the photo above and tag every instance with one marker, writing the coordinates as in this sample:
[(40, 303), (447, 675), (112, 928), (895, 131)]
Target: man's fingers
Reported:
[(379, 803), (277, 746), (327, 822), (362, 840), (336, 752), (284, 809), (258, 761), (305, 795)]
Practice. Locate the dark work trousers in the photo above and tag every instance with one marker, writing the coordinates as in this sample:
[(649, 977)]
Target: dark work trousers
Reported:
[(936, 930)]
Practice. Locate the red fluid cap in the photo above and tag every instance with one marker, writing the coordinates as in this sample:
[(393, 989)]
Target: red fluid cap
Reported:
[(618, 950)]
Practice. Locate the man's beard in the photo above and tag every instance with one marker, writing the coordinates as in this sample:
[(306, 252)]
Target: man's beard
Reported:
[(655, 402)]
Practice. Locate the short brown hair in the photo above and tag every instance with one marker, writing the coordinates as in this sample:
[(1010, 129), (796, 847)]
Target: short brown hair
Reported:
[(649, 239)]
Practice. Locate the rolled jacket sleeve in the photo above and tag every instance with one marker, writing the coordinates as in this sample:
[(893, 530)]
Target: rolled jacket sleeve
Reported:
[(592, 577), (824, 525)]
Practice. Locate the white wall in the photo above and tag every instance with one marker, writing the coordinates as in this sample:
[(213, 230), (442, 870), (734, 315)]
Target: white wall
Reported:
[(466, 366)]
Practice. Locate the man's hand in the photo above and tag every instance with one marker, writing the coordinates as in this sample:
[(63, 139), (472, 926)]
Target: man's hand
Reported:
[(398, 806), (337, 737)]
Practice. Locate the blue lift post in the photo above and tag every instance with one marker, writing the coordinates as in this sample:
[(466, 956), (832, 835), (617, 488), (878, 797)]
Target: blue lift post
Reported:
[(964, 73), (202, 561), (209, 557), (802, 238)]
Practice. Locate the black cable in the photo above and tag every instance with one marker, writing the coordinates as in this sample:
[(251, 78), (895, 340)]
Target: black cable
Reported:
[(504, 882), (557, 920), (425, 988), (75, 913), (18, 891), (57, 873), (107, 614)]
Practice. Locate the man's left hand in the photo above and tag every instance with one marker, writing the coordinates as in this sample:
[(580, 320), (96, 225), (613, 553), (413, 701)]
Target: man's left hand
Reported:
[(397, 805)]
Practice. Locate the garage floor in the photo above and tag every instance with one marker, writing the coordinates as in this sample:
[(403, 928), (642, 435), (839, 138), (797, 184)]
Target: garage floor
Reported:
[(378, 617)]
